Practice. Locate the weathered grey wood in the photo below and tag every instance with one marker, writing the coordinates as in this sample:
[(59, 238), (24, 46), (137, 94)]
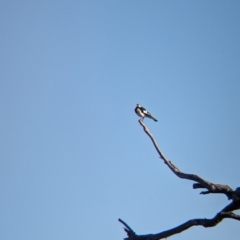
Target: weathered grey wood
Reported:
[(226, 212)]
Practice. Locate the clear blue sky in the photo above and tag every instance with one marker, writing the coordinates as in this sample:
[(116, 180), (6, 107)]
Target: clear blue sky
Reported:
[(73, 157)]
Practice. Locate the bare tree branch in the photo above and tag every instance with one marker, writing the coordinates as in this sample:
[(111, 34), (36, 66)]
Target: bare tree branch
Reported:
[(194, 222), (226, 212), (201, 183), (234, 205), (131, 234)]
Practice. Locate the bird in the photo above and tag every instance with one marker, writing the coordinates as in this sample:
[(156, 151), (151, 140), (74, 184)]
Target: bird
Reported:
[(142, 112)]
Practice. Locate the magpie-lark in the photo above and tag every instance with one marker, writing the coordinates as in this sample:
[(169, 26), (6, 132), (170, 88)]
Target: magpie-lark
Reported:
[(142, 112)]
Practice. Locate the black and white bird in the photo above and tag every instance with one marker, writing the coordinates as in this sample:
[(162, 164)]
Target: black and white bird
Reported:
[(142, 112)]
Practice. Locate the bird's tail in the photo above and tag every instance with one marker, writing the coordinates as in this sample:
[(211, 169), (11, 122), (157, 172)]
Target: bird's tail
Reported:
[(153, 118)]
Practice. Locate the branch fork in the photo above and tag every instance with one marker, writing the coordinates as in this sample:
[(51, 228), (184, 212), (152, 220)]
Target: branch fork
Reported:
[(226, 212)]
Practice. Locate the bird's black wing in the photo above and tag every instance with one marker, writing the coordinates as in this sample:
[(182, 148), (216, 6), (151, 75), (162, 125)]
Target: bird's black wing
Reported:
[(143, 110)]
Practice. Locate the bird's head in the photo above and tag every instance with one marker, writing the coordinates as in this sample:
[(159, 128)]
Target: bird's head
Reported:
[(138, 105)]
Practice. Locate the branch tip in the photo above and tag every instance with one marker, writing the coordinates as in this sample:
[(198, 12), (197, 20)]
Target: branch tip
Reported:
[(199, 183)]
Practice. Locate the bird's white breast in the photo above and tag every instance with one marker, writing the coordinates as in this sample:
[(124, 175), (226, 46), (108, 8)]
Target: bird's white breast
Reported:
[(139, 113)]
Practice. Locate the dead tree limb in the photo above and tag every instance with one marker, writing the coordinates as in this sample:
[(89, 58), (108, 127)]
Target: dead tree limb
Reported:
[(226, 212), (201, 183), (193, 222)]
